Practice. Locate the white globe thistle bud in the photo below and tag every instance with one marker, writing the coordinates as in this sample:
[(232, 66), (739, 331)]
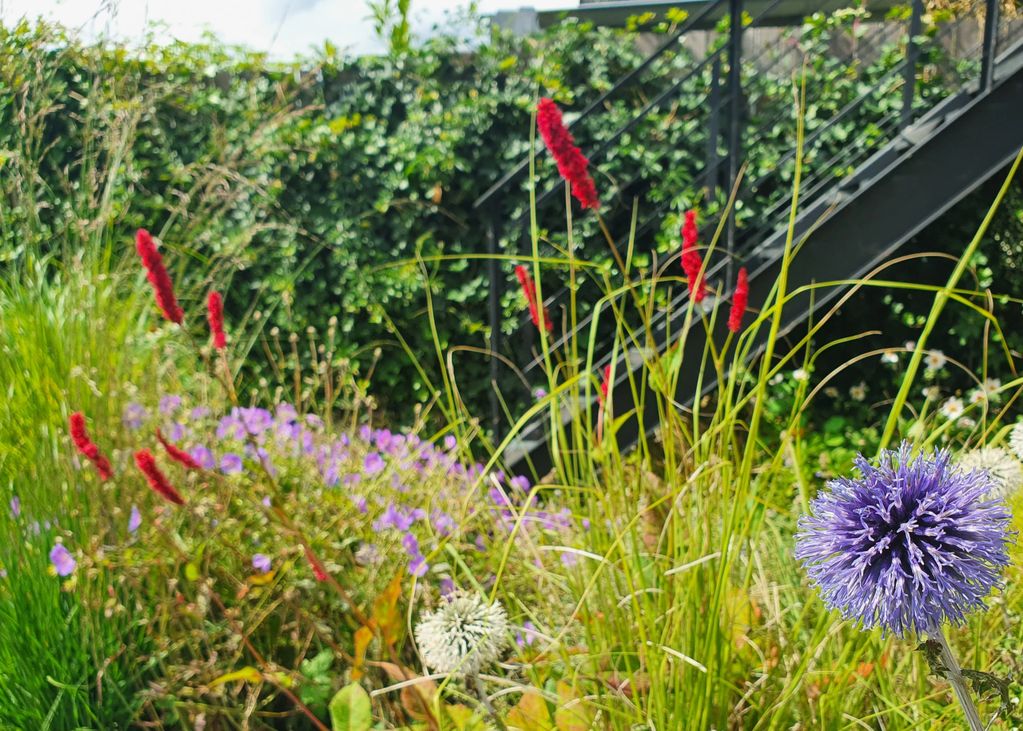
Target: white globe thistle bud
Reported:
[(1004, 470), (1016, 439), (462, 635)]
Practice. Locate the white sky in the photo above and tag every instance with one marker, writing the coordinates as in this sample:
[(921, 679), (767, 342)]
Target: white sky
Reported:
[(281, 27)]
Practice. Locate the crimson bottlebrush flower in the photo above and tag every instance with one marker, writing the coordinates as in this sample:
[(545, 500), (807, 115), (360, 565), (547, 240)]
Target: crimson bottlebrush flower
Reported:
[(739, 299), (529, 290), (87, 448), (572, 164), (145, 461), (178, 455), (215, 315), (692, 262), (912, 542), (314, 563), (157, 275)]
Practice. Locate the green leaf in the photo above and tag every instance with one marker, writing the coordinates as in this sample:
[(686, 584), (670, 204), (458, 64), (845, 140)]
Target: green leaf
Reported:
[(350, 709), (318, 665)]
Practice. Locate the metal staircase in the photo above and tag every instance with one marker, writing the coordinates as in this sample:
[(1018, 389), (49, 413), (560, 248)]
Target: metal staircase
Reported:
[(914, 156)]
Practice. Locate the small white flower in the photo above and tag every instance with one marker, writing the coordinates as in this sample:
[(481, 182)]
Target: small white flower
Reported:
[(977, 396), (991, 387), (909, 345), (776, 379), (831, 392), (935, 360), (1016, 439), (800, 375), (966, 423), (1004, 470), (890, 357), (931, 392), (952, 408), (462, 635), (858, 392)]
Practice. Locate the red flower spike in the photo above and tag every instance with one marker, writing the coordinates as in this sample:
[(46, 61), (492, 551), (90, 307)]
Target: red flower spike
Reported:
[(529, 290), (318, 571), (215, 315), (178, 455), (146, 463), (572, 164), (157, 275), (690, 233), (87, 448), (692, 262), (605, 383), (739, 300)]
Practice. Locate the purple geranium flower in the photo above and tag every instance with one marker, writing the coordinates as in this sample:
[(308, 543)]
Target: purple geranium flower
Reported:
[(15, 506), (134, 520), (255, 420), (133, 416), (203, 456), (418, 566), (393, 517), (411, 544), (63, 562), (169, 404), (373, 463), (231, 464), (909, 544), (261, 563)]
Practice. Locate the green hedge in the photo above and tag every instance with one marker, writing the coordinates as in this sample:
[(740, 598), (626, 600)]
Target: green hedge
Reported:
[(313, 186)]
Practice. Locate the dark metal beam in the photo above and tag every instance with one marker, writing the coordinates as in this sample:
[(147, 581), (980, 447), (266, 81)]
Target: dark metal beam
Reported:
[(873, 214), (790, 12)]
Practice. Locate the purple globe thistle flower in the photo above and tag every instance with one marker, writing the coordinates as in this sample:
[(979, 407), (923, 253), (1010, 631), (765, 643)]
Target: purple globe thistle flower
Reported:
[(909, 544)]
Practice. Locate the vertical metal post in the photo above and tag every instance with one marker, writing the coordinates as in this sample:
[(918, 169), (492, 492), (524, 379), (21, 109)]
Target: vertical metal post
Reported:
[(987, 63), (735, 116), (912, 55), (712, 174), (496, 276)]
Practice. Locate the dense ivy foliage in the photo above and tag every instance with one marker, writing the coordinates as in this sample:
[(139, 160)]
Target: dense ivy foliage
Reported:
[(338, 187)]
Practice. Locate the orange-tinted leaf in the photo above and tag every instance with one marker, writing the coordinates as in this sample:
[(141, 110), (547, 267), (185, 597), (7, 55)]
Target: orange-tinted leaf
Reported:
[(363, 636), (530, 714), (571, 714), (416, 699), (386, 616)]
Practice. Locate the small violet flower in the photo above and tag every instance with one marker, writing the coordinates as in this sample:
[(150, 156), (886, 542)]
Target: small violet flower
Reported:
[(261, 563), (231, 464), (63, 562), (134, 520)]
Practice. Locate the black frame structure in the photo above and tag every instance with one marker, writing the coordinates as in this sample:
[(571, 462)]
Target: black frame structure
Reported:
[(858, 220)]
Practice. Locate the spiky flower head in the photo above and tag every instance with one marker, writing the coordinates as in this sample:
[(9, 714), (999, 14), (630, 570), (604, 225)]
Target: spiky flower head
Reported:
[(464, 634), (1016, 439), (912, 542), (1004, 470)]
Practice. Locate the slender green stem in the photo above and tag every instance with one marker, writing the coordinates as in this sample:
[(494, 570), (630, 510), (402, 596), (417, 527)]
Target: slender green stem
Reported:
[(940, 299), (954, 675)]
